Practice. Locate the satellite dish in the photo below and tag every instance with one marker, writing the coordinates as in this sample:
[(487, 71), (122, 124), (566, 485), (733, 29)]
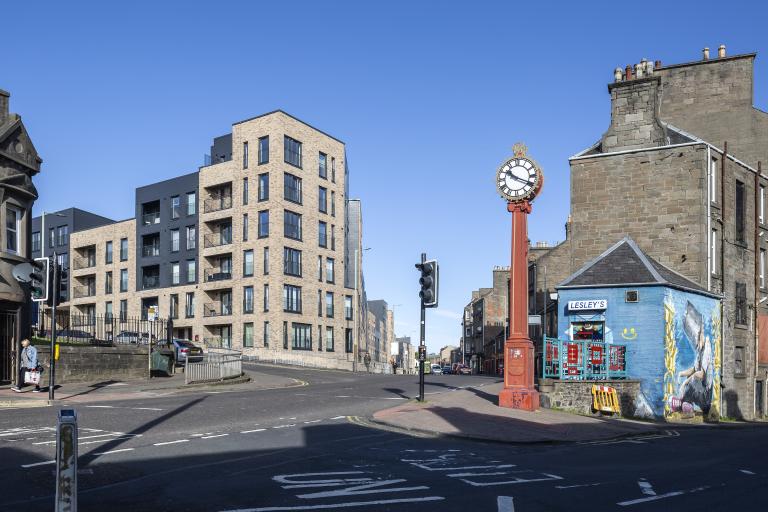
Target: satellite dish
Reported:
[(23, 272)]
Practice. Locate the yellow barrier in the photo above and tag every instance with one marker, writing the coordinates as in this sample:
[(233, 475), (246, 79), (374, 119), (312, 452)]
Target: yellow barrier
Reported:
[(605, 399)]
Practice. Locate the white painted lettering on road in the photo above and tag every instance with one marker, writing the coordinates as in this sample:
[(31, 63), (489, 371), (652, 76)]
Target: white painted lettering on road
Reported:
[(505, 504), (332, 506)]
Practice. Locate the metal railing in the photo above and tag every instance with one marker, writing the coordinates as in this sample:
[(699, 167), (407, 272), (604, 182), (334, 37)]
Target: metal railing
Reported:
[(79, 329), (79, 292), (152, 281), (217, 309), (217, 364), (150, 250), (217, 240), (150, 218), (584, 360), (215, 204), (84, 262), (216, 274)]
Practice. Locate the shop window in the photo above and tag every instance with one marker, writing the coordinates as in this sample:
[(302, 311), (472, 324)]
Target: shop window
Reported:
[(631, 296), (588, 331)]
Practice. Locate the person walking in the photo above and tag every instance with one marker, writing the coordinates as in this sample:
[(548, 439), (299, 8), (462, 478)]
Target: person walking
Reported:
[(28, 363)]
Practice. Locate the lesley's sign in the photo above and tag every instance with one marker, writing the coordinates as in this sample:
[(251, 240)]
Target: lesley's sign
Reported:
[(587, 305)]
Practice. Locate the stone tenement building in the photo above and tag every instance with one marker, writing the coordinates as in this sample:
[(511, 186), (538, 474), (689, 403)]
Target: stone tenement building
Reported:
[(679, 170), (252, 252), (484, 327)]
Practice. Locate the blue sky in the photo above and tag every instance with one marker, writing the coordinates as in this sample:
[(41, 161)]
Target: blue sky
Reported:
[(428, 96)]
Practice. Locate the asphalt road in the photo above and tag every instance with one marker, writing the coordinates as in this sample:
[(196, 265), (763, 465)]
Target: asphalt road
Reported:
[(296, 449)]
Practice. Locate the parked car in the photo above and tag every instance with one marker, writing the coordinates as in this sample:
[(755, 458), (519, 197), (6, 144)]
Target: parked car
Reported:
[(447, 370), (436, 369), (464, 370), (185, 350), (132, 337)]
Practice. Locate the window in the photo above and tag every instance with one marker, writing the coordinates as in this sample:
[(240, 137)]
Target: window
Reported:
[(124, 280), (191, 271), (248, 263), (175, 272), (322, 200), (292, 262), (761, 215), (320, 268), (248, 334), (263, 187), (713, 180), (248, 299), (108, 283), (738, 362), (285, 335), (174, 306), (347, 307), (322, 234), (302, 336), (292, 225), (62, 235), (245, 227), (266, 261), (263, 223), (740, 212), (12, 229), (266, 333), (108, 253), (175, 207), (51, 237), (291, 298), (245, 190), (333, 237), (323, 165), (123, 310), (333, 203), (741, 303), (263, 150), (35, 241), (348, 341), (762, 268), (329, 339), (329, 304), (191, 237), (292, 188), (245, 155), (123, 249), (108, 311), (189, 305), (329, 272), (333, 169), (191, 203), (320, 303), (292, 152), (266, 297), (175, 240), (713, 251)]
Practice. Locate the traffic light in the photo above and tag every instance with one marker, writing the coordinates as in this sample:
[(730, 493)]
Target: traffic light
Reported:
[(429, 283), (39, 279), (55, 293)]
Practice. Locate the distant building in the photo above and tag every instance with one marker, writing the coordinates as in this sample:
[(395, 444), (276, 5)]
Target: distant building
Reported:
[(485, 325)]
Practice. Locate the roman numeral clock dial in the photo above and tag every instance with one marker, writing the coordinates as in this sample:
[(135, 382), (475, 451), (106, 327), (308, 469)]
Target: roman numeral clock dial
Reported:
[(519, 178)]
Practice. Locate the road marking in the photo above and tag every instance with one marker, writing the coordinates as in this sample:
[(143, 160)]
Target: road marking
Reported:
[(146, 409), (340, 505), (660, 496), (313, 421), (114, 451), (122, 438), (338, 418), (251, 431), (574, 486), (505, 504), (100, 406), (216, 435), (172, 442), (343, 396), (747, 472), (646, 487), (38, 464)]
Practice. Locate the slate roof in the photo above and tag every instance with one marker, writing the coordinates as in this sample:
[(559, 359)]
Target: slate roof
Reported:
[(625, 264)]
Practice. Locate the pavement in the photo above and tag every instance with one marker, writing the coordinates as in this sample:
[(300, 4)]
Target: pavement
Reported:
[(473, 413), (99, 391)]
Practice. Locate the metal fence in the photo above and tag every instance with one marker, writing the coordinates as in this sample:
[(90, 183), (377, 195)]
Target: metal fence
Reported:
[(584, 360), (86, 329), (217, 364)]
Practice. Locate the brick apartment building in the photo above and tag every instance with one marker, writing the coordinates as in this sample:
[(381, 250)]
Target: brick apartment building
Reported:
[(679, 170)]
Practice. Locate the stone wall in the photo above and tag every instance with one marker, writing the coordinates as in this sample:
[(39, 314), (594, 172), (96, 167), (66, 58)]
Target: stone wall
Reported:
[(634, 116), (96, 364), (576, 395)]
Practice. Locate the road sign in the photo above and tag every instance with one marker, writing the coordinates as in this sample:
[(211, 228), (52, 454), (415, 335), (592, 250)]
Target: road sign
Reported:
[(534, 319)]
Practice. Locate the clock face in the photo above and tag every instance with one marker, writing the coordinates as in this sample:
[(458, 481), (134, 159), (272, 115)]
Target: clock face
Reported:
[(518, 179)]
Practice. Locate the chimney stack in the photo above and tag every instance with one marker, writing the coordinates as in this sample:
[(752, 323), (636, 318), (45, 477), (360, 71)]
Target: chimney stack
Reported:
[(4, 105), (721, 51), (705, 54)]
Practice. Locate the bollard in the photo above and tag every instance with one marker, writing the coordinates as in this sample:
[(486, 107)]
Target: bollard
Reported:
[(66, 461)]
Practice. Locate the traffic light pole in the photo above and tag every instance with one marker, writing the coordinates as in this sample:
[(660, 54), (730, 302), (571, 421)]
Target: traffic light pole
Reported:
[(422, 347), (55, 291)]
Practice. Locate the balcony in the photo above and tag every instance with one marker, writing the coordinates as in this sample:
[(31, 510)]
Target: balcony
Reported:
[(150, 281), (80, 292), (150, 250), (217, 239), (150, 218), (214, 309), (84, 262), (215, 204), (216, 274)]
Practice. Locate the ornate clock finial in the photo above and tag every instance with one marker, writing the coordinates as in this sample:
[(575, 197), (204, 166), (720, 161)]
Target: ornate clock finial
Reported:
[(520, 149)]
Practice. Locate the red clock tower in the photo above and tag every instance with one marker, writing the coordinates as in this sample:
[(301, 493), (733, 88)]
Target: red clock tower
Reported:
[(519, 181)]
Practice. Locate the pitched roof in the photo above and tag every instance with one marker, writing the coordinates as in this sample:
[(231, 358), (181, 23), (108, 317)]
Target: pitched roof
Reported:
[(625, 264)]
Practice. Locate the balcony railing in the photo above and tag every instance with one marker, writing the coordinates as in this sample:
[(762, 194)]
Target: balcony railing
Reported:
[(212, 309), (217, 342), (217, 240), (151, 218), (215, 204), (150, 250), (80, 292), (189, 312), (150, 282), (216, 274), (584, 360), (87, 262)]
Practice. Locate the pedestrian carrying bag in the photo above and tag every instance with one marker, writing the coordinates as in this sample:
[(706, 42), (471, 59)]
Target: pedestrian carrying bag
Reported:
[(31, 377)]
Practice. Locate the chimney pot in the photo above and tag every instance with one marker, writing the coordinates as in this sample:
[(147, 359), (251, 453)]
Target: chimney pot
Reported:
[(721, 51), (617, 75), (657, 64), (639, 71), (628, 72), (705, 54)]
